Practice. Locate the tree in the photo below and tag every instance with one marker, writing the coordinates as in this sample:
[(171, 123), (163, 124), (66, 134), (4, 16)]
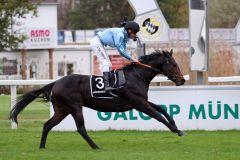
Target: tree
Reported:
[(224, 14), (91, 14), (175, 12), (10, 11)]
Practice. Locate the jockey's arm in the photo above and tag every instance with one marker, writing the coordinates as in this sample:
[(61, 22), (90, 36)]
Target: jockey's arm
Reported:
[(126, 54), (123, 51)]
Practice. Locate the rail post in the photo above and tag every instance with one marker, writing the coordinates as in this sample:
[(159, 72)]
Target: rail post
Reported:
[(13, 102)]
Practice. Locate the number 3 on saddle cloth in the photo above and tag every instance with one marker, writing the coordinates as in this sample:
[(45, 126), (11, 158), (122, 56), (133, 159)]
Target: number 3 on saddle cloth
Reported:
[(117, 80)]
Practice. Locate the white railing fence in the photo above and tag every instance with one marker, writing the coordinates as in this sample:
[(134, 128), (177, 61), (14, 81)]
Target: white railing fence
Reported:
[(224, 79), (13, 89)]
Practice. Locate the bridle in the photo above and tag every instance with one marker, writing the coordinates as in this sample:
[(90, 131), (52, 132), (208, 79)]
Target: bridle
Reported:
[(170, 76)]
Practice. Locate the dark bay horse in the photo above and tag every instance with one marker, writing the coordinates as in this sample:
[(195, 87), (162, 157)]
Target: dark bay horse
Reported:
[(70, 93)]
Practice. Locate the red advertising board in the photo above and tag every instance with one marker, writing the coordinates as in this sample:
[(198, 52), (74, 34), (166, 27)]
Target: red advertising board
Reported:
[(117, 62)]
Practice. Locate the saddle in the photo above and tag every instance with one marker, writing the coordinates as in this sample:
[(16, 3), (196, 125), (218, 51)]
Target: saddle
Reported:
[(117, 80)]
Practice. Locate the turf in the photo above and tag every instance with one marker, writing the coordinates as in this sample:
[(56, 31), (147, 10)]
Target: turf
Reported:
[(22, 143)]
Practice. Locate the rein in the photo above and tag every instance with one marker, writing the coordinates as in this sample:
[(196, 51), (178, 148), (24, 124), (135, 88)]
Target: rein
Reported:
[(147, 66), (150, 67)]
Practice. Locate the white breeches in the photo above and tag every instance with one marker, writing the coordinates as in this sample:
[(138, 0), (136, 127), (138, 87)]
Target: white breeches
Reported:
[(98, 49)]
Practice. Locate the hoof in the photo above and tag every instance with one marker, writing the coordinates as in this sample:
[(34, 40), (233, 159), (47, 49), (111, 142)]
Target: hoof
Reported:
[(181, 133), (95, 148)]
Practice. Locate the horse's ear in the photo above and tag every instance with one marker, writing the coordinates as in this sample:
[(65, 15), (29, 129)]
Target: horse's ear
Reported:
[(166, 54), (171, 52)]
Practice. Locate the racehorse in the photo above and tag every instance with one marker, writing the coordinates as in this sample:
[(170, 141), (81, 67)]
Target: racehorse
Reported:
[(70, 93)]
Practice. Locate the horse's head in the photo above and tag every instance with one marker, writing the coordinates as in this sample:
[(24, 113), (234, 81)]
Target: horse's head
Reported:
[(166, 64), (170, 68)]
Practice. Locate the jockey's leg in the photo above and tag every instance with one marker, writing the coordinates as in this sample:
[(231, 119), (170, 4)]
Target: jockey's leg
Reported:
[(107, 66), (99, 50), (106, 80)]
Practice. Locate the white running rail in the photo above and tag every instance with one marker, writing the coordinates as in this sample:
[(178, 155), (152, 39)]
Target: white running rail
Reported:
[(14, 84), (165, 79), (224, 79)]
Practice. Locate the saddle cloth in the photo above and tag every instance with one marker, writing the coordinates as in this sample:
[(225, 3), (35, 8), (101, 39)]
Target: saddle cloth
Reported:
[(117, 80)]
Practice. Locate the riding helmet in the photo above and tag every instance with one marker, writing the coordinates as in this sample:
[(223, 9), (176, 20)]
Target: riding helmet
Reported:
[(133, 26)]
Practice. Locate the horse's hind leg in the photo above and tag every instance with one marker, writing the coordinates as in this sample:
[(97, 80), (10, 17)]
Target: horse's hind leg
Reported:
[(78, 117), (170, 119), (55, 120)]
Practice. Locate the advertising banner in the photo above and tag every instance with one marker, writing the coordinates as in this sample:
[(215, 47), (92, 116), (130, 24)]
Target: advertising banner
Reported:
[(41, 31), (116, 59), (153, 25), (40, 38), (68, 36), (80, 36), (192, 107)]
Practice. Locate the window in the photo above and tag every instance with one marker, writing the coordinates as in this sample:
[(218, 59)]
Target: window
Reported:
[(69, 68)]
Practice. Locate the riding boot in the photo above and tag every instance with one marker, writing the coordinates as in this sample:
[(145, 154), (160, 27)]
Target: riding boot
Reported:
[(106, 82)]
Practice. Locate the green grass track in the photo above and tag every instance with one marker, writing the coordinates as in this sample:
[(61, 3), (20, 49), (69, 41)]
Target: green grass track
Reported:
[(23, 143)]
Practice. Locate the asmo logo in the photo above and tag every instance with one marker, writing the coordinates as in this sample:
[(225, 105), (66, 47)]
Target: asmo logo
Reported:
[(38, 37), (40, 33)]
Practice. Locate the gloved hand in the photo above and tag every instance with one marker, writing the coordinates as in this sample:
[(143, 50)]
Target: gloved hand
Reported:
[(135, 60)]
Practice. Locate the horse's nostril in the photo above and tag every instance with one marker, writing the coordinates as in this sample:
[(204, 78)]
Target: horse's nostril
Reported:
[(180, 82), (183, 81)]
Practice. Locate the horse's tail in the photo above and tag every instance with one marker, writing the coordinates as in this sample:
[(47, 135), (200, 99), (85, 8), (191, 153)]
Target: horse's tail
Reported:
[(22, 102)]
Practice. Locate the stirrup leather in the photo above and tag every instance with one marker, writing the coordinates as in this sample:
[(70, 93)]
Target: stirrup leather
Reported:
[(106, 79)]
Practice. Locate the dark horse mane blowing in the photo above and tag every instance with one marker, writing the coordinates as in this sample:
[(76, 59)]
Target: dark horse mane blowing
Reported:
[(71, 93)]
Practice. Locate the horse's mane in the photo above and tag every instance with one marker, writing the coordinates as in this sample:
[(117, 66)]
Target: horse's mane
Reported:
[(144, 59)]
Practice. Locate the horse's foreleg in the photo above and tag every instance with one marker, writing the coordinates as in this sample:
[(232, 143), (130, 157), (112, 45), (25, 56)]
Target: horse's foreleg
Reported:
[(163, 111), (146, 108), (141, 104), (78, 117), (55, 120), (155, 114), (170, 119)]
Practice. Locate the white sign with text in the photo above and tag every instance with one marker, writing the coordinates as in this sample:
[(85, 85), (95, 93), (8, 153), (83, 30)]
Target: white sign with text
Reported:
[(192, 107)]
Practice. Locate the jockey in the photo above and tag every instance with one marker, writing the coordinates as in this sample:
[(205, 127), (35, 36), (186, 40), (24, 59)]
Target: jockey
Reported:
[(116, 38)]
